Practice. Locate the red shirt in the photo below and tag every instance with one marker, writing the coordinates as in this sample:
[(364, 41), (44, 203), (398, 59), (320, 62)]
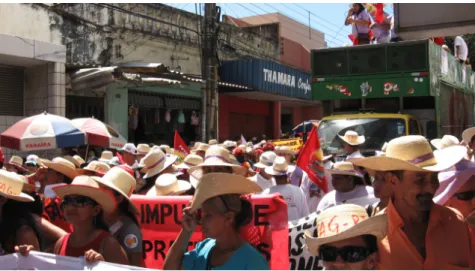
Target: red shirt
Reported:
[(67, 250), (53, 213)]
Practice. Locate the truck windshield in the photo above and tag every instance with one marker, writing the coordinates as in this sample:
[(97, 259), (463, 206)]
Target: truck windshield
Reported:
[(376, 131)]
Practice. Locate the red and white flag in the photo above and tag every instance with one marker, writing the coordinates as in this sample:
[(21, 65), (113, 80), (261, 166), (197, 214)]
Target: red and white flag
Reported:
[(181, 150)]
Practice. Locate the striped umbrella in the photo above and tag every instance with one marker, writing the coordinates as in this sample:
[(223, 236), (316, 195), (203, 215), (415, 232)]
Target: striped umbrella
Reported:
[(99, 133), (42, 132)]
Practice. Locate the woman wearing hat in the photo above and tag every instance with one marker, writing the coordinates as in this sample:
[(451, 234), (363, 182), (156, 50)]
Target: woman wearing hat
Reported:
[(190, 160), (168, 185), (223, 213), (122, 220), (16, 165), (83, 204), (155, 163)]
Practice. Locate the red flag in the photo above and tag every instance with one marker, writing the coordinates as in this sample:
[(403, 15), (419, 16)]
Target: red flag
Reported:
[(181, 150), (311, 161), (121, 159), (439, 40), (379, 17)]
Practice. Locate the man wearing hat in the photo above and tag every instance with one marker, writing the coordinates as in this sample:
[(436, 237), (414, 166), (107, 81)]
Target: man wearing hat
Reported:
[(31, 163), (351, 142), (468, 137), (348, 187), (263, 179), (294, 196), (155, 163), (346, 238), (142, 150), (129, 154), (422, 234), (201, 150)]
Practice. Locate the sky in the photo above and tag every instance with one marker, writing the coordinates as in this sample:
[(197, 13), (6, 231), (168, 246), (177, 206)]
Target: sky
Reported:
[(327, 18)]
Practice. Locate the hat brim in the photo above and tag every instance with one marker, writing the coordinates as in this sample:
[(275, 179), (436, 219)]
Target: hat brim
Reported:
[(183, 166), (270, 170), (183, 186), (104, 160), (436, 143), (342, 172), (101, 196), (468, 134), (197, 171), (445, 159), (169, 160), (361, 140), (260, 165), (376, 225), (65, 170), (133, 207), (22, 197), (31, 164), (19, 168)]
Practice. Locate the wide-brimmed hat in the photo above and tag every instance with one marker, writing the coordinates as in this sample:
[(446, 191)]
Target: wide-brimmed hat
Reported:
[(190, 160), (213, 142), (344, 168), (156, 161), (121, 181), (216, 156), (229, 144), (76, 160), (279, 167), (106, 156), (167, 184), (130, 148), (412, 153), (32, 160), (352, 138), (13, 184), (166, 149), (444, 142), (351, 220), (203, 147), (89, 187), (452, 180), (266, 159), (284, 150), (16, 162), (468, 134), (62, 166), (216, 184), (143, 149), (100, 168)]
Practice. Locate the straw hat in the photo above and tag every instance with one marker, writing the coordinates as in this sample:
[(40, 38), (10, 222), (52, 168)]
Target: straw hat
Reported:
[(191, 160), (16, 162), (284, 150), (155, 162), (121, 181), (76, 160), (89, 187), (13, 184), (216, 156), (32, 160), (100, 168), (468, 134), (351, 220), (451, 181), (62, 166), (352, 138), (167, 184), (143, 149), (279, 168), (216, 184), (413, 153), (444, 142), (213, 142), (106, 156), (344, 168), (166, 148), (229, 144), (266, 160), (203, 147)]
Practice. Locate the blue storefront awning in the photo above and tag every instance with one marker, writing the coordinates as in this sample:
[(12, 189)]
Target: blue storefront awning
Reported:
[(267, 76)]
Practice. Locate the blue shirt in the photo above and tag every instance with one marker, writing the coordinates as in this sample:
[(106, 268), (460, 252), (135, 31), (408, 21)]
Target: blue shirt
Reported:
[(244, 258)]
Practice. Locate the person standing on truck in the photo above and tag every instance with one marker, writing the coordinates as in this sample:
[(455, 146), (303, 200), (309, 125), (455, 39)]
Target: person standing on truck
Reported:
[(460, 49), (381, 31), (351, 143), (360, 20)]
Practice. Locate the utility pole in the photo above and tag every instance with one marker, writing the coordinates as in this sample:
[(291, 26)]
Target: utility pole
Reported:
[(209, 72)]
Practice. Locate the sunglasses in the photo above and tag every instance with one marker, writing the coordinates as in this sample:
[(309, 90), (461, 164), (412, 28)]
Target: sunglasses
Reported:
[(349, 254), (465, 196), (79, 202)]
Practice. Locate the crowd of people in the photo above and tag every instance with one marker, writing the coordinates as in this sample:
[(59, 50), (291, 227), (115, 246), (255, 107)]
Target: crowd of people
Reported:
[(407, 207)]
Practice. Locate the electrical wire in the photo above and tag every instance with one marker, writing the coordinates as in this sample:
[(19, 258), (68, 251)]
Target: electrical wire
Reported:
[(321, 18)]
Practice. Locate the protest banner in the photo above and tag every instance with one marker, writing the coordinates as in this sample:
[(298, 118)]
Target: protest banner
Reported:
[(293, 143), (46, 261), (300, 257), (160, 222)]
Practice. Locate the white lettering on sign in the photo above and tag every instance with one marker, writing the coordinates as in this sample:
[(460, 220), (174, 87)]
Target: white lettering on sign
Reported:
[(304, 85), (284, 79)]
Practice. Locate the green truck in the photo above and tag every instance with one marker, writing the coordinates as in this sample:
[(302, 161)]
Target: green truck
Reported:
[(388, 90)]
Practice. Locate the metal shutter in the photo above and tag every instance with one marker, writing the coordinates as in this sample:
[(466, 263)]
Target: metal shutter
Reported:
[(11, 90)]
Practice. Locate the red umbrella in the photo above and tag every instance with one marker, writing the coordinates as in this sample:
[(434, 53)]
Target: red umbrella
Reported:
[(99, 133)]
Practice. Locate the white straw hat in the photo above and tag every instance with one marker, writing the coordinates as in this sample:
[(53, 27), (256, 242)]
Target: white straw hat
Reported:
[(213, 142), (203, 147), (167, 184), (96, 167), (106, 156), (266, 159), (62, 166), (13, 184), (412, 153), (352, 138), (156, 161), (166, 149), (216, 156), (16, 162), (190, 160), (279, 168), (284, 150), (76, 160), (344, 168), (468, 134), (143, 149), (216, 184), (351, 221), (122, 182), (444, 142)]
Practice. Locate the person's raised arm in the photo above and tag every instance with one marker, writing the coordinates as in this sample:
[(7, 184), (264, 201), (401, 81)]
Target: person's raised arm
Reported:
[(348, 19)]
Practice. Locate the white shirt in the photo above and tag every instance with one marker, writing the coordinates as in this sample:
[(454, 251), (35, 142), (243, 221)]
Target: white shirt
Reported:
[(362, 195), (462, 50), (262, 182), (313, 199), (356, 154), (294, 196), (363, 29)]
